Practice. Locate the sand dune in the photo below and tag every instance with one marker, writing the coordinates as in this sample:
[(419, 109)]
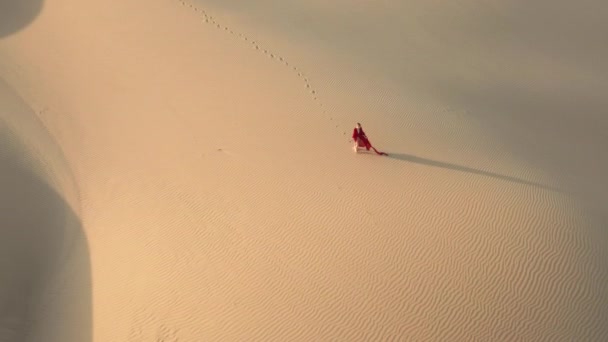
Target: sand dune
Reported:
[(180, 170)]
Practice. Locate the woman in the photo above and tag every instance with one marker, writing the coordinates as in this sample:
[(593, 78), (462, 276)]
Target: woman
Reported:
[(361, 140)]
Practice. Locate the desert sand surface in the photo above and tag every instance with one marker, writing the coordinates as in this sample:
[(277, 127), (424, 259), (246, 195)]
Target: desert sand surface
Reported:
[(181, 170)]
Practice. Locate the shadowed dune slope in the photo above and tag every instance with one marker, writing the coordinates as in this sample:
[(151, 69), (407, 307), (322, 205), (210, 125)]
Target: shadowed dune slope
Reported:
[(45, 292), (17, 14)]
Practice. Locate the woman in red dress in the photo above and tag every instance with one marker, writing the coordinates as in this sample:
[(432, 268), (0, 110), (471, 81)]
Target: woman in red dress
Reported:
[(361, 140)]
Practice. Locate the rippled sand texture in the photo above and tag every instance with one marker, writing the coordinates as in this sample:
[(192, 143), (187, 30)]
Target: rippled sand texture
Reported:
[(180, 170)]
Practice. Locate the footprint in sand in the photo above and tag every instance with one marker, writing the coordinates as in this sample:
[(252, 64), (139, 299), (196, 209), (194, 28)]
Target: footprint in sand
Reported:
[(209, 18)]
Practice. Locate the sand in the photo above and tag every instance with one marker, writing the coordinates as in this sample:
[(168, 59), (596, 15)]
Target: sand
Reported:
[(181, 170)]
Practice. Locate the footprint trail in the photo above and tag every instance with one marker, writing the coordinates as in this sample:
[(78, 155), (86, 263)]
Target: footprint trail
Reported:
[(209, 19)]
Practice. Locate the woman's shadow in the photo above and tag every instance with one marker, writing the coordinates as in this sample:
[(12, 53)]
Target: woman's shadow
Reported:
[(455, 167)]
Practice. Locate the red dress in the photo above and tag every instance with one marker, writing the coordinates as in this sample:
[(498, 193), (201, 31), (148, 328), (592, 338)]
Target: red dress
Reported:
[(361, 139)]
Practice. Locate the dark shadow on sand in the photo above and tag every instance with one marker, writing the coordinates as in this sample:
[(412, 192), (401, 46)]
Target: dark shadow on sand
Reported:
[(434, 163), (45, 277), (17, 14)]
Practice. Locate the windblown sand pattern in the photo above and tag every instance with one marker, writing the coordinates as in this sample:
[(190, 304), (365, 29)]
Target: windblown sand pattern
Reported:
[(186, 141)]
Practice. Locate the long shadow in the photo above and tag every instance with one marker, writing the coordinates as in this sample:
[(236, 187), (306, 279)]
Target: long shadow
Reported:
[(434, 163), (45, 277), (17, 14)]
